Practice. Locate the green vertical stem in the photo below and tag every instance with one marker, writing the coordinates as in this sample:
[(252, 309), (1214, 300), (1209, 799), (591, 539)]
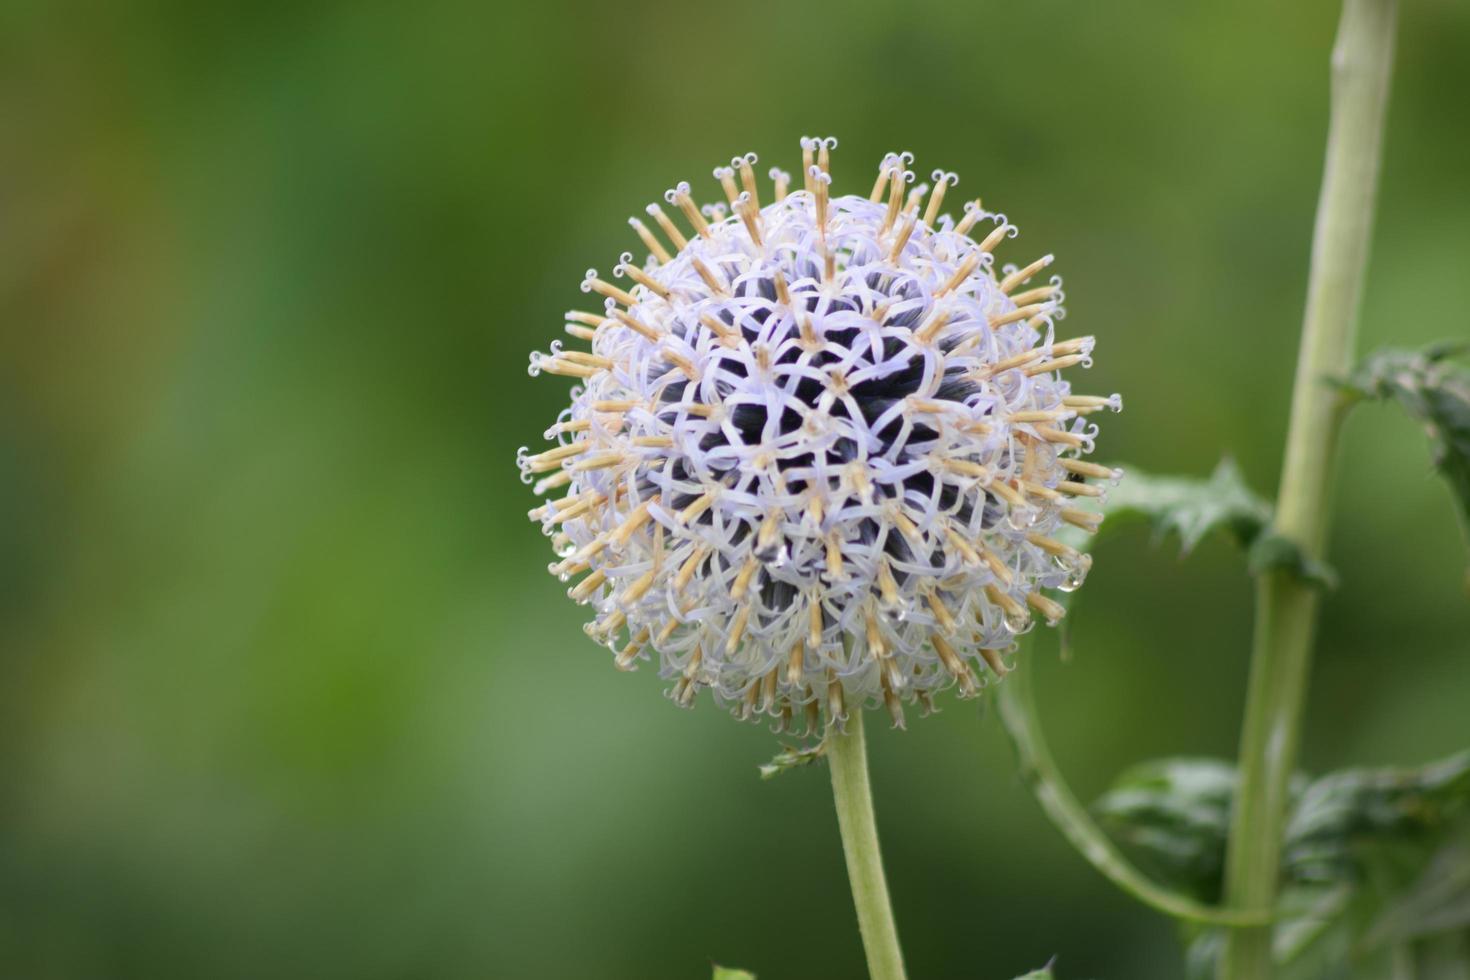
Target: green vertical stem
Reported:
[(847, 754), (1362, 60)]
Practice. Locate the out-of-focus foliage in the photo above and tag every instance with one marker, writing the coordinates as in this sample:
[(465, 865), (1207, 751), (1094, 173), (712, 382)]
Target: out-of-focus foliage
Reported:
[(1175, 815), (728, 973), (284, 689), (1376, 862), (1435, 391), (1436, 901), (1341, 810), (1192, 507), (1042, 974)]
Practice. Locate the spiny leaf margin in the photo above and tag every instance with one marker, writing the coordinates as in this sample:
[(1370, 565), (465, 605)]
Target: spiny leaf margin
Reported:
[(1435, 391), (1192, 507)]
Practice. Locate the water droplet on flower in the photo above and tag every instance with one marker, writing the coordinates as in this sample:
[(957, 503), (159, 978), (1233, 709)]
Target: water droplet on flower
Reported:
[(1076, 573), (1016, 621), (1022, 518)]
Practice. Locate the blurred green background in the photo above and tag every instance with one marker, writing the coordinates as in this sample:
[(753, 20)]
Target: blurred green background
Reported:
[(284, 689)]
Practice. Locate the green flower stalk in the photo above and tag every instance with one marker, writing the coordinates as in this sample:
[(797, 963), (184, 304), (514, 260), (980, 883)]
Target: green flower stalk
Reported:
[(847, 754), (1286, 617)]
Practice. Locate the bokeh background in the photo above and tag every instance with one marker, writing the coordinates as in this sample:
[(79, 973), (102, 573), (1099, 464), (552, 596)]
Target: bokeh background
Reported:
[(284, 689)]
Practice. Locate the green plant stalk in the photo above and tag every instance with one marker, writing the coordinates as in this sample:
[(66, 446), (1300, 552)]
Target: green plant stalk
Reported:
[(1018, 715), (1362, 61), (847, 754)]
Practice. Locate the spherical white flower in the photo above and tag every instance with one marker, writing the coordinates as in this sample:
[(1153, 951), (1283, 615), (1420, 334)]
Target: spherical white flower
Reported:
[(822, 447)]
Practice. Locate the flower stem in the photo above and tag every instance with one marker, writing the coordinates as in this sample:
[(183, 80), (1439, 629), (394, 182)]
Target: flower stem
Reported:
[(1362, 60), (847, 754), (1019, 717)]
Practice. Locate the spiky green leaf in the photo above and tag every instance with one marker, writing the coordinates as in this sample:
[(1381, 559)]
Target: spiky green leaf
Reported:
[(1376, 862), (1435, 390), (1175, 814), (1438, 900), (1192, 507), (1343, 815)]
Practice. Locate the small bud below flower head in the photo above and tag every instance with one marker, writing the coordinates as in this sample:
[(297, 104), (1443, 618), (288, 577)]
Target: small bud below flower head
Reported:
[(821, 449)]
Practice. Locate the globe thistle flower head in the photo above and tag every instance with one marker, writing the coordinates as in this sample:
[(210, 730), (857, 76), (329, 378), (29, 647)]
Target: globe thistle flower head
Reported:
[(821, 448)]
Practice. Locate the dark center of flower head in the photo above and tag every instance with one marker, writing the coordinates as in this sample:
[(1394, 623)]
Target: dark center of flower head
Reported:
[(890, 371)]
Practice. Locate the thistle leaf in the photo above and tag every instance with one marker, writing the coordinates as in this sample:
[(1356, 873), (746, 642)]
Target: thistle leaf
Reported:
[(1192, 507), (1344, 816), (1437, 902), (1175, 814), (1435, 391), (1376, 862)]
